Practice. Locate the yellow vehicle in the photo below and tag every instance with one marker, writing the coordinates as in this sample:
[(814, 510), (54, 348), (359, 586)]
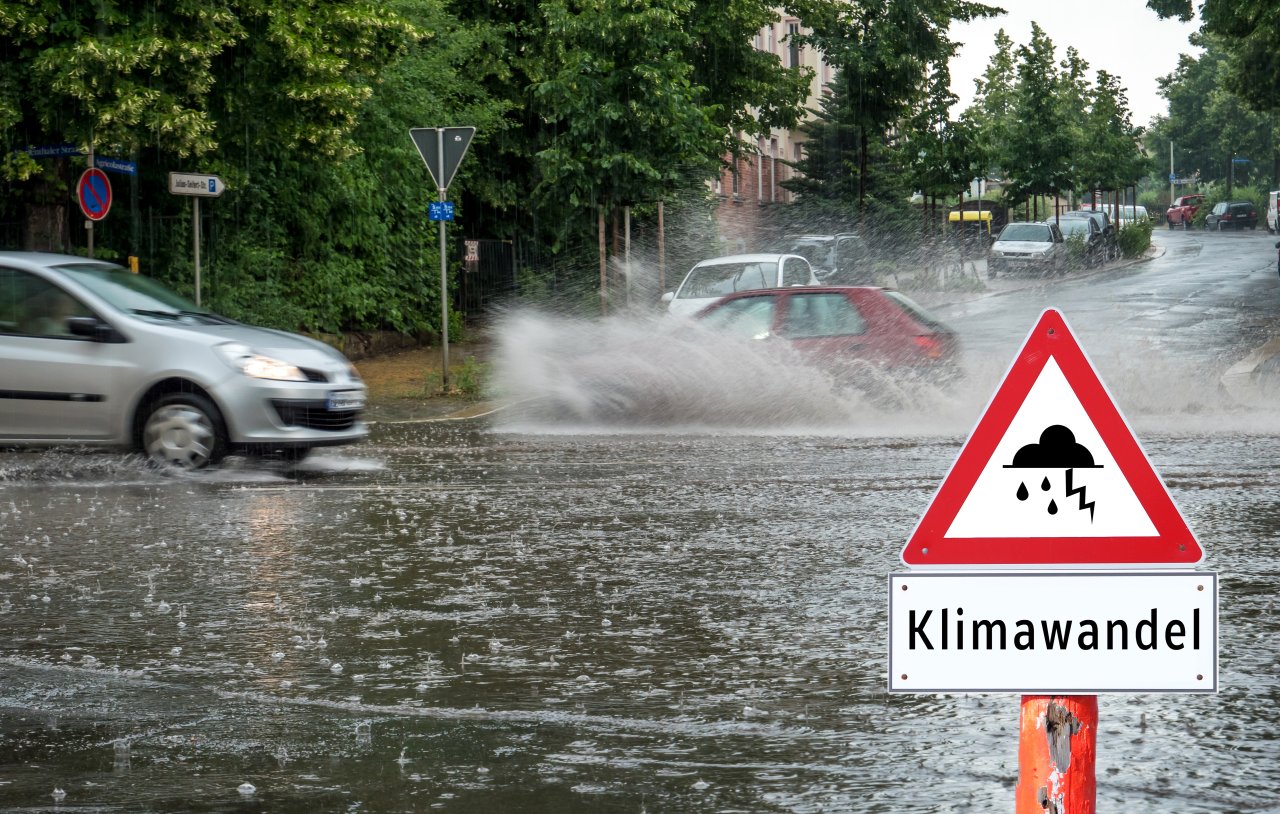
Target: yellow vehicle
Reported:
[(975, 222)]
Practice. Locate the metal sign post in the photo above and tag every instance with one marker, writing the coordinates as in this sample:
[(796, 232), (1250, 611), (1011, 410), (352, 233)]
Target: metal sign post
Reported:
[(442, 149), (94, 193), (197, 187)]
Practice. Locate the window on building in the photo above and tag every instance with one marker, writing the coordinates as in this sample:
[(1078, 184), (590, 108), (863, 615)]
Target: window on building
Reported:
[(793, 47), (773, 39), (773, 169)]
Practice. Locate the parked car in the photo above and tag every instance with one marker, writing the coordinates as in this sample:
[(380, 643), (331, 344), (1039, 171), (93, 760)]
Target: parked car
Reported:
[(843, 327), (1183, 210), (1132, 214), (1110, 247), (1087, 231), (92, 354), (712, 279), (1232, 215), (841, 259), (1028, 247)]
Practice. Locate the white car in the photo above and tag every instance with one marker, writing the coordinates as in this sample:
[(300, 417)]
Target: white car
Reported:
[(91, 354), (1028, 247), (712, 279)]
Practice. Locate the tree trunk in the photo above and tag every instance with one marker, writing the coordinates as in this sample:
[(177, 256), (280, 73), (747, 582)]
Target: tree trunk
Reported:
[(862, 170), (46, 229)]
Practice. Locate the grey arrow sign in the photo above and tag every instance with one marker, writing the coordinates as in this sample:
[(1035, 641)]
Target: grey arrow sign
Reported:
[(442, 163)]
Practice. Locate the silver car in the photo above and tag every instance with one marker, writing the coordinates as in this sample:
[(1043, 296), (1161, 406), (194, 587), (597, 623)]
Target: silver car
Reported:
[(1028, 247), (712, 279), (93, 354)]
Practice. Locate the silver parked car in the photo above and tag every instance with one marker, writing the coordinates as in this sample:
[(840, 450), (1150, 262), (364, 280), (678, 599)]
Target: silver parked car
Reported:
[(1037, 248), (712, 279), (93, 354)]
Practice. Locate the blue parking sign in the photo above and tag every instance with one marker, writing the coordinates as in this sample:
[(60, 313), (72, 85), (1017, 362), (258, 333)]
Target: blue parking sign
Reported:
[(440, 210)]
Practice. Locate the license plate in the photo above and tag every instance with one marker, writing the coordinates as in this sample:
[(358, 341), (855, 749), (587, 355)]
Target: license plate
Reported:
[(345, 400)]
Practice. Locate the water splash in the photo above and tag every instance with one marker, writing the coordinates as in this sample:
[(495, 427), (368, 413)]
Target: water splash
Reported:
[(641, 372)]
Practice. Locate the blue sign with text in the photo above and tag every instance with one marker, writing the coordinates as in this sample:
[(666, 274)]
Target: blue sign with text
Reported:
[(115, 165), (440, 210), (54, 151)]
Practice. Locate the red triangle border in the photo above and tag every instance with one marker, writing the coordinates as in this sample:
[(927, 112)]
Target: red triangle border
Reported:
[(1173, 544)]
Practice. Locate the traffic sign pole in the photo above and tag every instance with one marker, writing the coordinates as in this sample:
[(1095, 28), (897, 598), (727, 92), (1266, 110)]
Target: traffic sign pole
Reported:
[(88, 222), (195, 241), (442, 150), (444, 280), (1057, 754), (195, 186)]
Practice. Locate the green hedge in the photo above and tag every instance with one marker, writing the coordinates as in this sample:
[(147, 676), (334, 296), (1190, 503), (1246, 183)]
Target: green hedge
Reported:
[(1134, 238)]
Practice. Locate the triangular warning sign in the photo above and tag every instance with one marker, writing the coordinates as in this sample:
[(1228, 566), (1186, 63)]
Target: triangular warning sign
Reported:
[(1052, 476)]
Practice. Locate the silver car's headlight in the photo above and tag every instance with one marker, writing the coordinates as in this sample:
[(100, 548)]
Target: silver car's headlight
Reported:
[(251, 363)]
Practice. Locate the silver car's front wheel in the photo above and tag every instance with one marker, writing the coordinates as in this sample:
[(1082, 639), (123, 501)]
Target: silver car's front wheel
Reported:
[(183, 431)]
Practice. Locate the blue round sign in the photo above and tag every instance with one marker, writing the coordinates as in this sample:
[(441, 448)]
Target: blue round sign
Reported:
[(94, 192)]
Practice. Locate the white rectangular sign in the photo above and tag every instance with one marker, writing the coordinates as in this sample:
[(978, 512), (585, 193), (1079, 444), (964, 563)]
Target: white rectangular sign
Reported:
[(1081, 633), (189, 183)]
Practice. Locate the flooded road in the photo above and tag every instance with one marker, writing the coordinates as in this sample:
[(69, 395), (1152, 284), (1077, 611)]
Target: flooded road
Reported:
[(478, 621), (503, 615)]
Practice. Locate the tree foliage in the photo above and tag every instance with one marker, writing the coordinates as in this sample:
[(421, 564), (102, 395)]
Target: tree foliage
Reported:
[(1248, 34), (1207, 123), (1046, 128)]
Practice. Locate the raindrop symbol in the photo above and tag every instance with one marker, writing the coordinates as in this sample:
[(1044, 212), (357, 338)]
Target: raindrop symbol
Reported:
[(1053, 507), (1022, 491), (1044, 484)]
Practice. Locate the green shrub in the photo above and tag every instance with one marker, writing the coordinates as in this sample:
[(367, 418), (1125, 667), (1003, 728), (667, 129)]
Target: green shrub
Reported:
[(471, 381), (1134, 238), (1076, 249)]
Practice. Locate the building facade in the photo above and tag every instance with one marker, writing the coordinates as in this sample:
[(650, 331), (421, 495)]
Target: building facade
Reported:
[(752, 184)]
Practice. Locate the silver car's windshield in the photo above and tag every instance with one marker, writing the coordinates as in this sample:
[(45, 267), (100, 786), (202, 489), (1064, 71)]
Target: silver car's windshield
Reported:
[(1030, 232), (136, 294), (725, 278), (818, 253)]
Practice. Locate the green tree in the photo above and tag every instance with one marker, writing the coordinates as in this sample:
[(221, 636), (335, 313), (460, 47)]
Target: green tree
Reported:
[(884, 52), (992, 110), (177, 80), (1207, 123), (1248, 33), (1110, 150), (1040, 143)]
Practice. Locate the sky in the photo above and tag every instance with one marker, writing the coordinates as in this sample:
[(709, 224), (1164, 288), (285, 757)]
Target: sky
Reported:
[(1123, 37)]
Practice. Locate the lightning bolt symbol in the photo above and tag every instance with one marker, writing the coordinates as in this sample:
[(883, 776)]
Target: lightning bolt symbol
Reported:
[(1083, 505)]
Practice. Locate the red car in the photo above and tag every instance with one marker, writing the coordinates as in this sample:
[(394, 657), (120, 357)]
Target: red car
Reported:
[(1183, 210), (838, 325)]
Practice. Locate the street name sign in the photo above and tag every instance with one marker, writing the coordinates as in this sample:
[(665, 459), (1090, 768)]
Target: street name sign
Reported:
[(190, 183), (1079, 633), (94, 193), (1052, 476), (442, 149), (53, 151), (115, 165)]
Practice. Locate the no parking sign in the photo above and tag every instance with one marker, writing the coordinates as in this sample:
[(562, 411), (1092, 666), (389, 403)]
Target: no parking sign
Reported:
[(94, 192)]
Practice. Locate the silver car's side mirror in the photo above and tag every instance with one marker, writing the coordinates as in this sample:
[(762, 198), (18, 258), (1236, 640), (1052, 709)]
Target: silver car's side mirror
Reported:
[(668, 297), (92, 328)]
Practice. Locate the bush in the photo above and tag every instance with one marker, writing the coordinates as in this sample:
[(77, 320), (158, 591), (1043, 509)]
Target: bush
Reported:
[(1134, 238), (1076, 249)]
